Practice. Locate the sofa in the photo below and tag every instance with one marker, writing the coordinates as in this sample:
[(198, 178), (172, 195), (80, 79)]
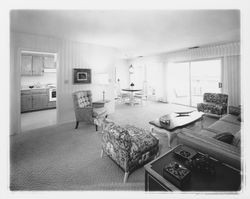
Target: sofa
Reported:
[(214, 104), (207, 140), (128, 146)]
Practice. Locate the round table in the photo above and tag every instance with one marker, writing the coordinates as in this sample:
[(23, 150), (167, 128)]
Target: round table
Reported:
[(131, 90)]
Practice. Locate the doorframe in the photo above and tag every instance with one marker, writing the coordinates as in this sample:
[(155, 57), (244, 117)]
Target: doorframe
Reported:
[(19, 53)]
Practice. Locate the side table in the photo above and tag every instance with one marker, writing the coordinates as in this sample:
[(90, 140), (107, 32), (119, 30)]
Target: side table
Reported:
[(226, 178)]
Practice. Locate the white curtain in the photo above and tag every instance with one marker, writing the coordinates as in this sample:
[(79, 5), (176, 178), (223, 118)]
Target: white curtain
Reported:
[(231, 79)]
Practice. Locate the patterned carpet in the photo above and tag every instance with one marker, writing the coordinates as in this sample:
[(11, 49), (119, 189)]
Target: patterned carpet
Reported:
[(62, 158)]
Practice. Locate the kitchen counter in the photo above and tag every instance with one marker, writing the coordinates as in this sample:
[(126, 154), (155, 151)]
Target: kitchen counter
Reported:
[(37, 87), (37, 98)]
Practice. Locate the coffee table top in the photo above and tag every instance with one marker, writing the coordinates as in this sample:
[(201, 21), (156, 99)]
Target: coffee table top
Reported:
[(131, 90), (225, 179), (177, 121)]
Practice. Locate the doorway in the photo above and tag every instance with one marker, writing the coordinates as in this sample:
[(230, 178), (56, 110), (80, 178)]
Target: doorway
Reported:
[(38, 89)]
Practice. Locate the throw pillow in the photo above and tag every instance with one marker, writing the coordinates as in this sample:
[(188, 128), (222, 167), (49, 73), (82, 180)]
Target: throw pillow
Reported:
[(225, 137), (239, 118), (236, 140)]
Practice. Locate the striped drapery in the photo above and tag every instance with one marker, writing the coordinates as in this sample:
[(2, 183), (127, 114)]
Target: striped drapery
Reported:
[(231, 79)]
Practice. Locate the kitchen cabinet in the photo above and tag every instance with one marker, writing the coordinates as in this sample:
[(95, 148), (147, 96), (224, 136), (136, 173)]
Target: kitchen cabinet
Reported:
[(35, 99), (26, 65), (39, 99), (26, 101), (37, 65), (31, 65), (49, 62)]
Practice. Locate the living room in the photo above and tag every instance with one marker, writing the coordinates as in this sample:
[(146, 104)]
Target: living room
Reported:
[(153, 73)]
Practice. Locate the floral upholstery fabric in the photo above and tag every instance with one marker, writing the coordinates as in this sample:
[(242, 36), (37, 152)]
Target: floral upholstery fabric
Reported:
[(234, 110), (214, 103), (129, 146)]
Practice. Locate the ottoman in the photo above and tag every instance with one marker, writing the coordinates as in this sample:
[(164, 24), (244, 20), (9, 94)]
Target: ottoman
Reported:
[(128, 146)]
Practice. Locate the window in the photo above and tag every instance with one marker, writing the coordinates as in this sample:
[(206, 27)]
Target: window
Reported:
[(188, 81)]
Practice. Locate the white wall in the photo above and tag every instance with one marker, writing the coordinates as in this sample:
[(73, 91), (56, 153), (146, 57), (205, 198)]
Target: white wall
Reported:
[(71, 54), (46, 78), (122, 73), (152, 72)]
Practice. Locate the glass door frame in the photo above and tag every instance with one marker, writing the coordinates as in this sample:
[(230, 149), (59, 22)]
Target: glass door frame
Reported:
[(190, 80)]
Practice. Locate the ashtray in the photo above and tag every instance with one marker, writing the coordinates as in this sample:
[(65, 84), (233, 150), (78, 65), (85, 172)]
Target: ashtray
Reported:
[(185, 152), (176, 173)]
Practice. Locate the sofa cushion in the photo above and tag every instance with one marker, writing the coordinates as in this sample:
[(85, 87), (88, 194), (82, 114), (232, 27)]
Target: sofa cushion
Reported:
[(141, 140), (224, 137), (207, 133), (223, 126), (222, 151), (231, 118), (236, 140)]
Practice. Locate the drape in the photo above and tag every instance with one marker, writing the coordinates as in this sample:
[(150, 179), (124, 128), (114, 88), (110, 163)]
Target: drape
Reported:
[(231, 81)]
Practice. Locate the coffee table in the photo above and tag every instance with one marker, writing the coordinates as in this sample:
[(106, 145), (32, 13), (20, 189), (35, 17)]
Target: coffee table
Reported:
[(177, 122), (226, 178)]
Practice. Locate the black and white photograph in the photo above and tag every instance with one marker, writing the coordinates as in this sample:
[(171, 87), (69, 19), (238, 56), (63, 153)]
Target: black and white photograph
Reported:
[(127, 101)]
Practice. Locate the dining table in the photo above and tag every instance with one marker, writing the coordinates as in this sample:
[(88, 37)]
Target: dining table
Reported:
[(132, 100)]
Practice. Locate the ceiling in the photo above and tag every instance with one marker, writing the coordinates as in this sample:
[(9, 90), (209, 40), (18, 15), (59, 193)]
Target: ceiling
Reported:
[(134, 32)]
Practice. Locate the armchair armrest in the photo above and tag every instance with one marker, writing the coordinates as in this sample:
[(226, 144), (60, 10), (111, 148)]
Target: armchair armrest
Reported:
[(234, 110), (98, 104)]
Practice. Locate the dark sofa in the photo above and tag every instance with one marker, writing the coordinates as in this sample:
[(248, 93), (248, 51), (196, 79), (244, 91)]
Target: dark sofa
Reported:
[(205, 142)]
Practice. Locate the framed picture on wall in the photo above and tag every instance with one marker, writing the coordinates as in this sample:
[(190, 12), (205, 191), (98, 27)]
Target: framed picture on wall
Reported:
[(81, 76)]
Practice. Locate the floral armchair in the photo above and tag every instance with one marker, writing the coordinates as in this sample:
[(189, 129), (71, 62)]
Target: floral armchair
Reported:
[(130, 147), (86, 111), (214, 103)]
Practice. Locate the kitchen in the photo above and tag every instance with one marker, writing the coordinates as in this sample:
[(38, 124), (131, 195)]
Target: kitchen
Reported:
[(38, 89)]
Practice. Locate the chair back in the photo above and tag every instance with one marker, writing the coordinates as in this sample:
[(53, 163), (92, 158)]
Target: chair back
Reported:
[(82, 99), (216, 98)]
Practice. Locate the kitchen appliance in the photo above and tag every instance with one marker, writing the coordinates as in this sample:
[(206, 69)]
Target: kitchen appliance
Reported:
[(52, 94)]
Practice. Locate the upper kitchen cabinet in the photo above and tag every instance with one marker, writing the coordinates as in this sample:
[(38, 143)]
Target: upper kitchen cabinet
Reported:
[(26, 65), (34, 64), (49, 63), (31, 65), (37, 65)]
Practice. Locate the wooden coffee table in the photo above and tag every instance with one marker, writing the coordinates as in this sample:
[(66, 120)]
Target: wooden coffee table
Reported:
[(177, 123), (226, 178)]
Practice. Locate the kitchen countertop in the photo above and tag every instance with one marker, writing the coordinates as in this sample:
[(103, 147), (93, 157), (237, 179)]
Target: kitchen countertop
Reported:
[(25, 88)]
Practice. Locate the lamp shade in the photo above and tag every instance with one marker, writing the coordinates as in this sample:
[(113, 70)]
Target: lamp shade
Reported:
[(131, 69), (101, 78)]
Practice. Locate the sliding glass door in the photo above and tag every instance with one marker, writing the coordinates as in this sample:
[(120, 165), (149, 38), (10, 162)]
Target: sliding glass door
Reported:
[(178, 86), (205, 77), (188, 81)]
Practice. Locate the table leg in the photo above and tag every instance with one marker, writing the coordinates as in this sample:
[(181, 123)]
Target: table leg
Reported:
[(165, 132)]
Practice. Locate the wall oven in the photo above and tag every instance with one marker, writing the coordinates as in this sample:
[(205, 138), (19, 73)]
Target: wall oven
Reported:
[(52, 94)]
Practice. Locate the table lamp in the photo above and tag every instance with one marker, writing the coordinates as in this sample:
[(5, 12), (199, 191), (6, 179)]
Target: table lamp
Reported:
[(102, 79)]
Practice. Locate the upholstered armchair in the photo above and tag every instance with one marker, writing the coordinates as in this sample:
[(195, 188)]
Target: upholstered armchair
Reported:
[(214, 103), (86, 111), (130, 147)]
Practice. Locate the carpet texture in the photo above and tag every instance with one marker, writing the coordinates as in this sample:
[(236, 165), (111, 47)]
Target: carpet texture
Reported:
[(62, 158)]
